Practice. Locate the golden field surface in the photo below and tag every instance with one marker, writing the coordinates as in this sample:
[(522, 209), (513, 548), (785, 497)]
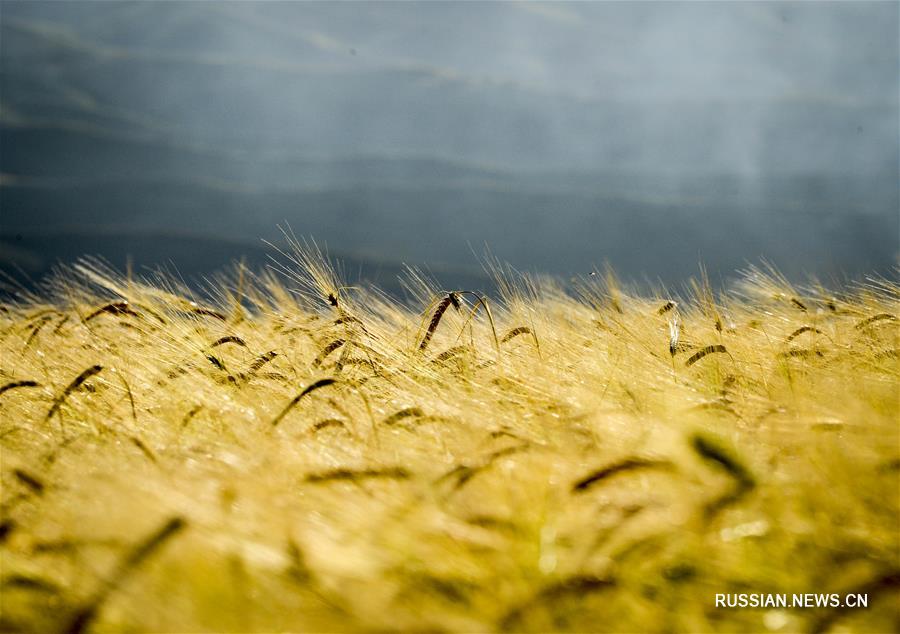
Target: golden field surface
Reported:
[(289, 454)]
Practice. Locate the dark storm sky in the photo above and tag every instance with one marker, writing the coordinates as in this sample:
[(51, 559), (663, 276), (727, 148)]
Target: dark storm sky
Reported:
[(371, 124)]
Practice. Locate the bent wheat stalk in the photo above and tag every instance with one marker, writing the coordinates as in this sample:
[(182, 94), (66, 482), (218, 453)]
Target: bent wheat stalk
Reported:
[(451, 298), (83, 617), (74, 385), (17, 384), (311, 388), (480, 300), (718, 347)]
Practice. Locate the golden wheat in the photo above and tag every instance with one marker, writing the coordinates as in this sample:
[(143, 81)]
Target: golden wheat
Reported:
[(578, 479)]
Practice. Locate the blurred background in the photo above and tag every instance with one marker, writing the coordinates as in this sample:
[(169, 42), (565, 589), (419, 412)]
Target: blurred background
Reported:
[(653, 136)]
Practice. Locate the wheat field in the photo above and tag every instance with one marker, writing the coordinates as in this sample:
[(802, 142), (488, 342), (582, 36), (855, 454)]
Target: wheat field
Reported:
[(287, 453)]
